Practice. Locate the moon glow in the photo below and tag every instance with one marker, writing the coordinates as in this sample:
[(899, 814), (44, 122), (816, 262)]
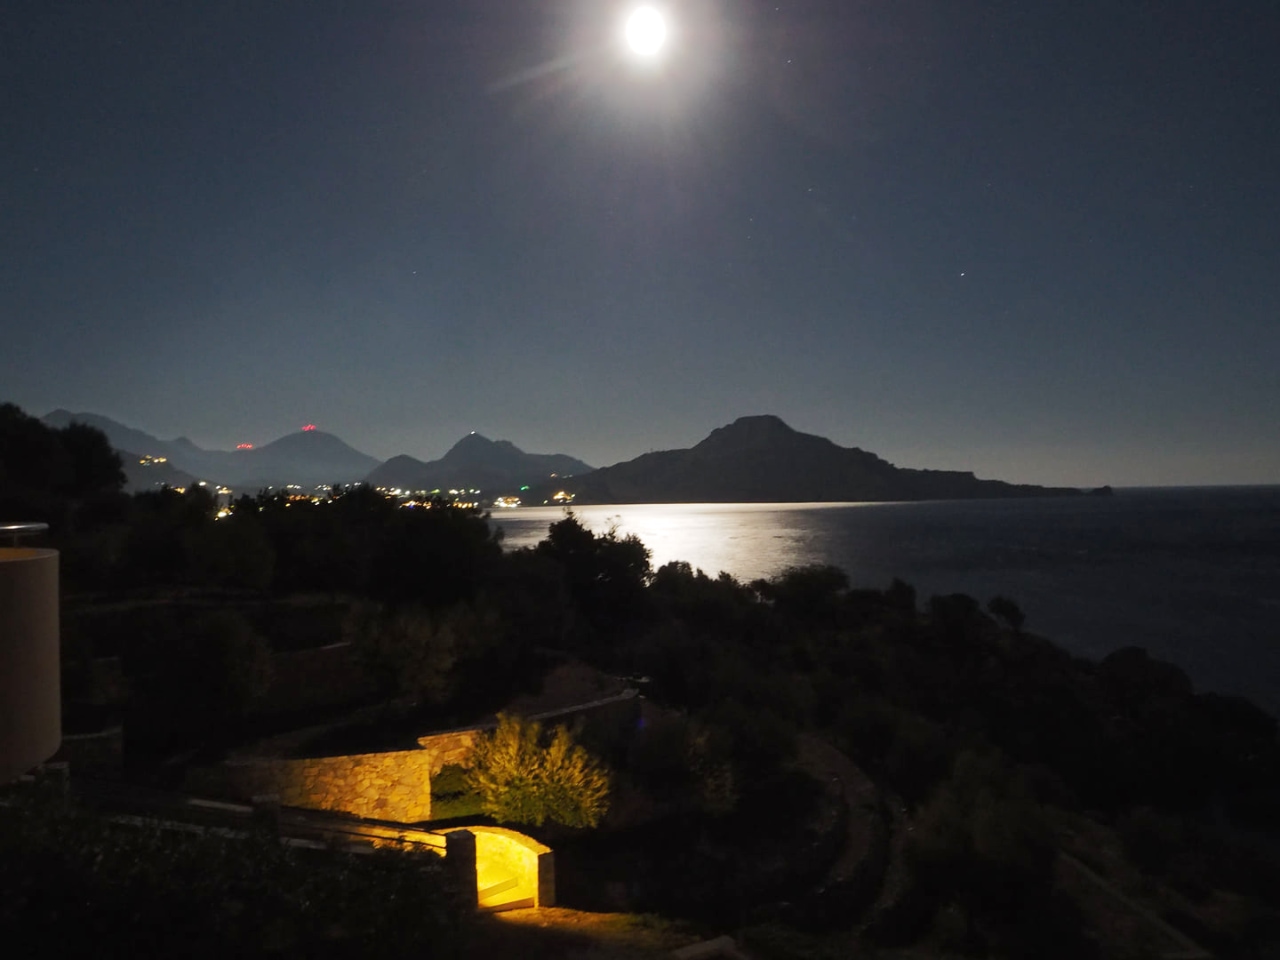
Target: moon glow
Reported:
[(645, 31)]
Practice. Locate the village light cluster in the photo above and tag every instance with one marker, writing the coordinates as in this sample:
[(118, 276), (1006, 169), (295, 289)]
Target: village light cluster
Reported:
[(461, 497)]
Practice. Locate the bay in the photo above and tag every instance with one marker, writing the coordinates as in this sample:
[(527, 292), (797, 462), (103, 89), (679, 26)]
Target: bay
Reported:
[(1191, 574)]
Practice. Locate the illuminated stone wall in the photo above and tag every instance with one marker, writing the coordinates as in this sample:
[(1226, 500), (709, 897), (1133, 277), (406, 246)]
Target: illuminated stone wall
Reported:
[(382, 786), (452, 748), (512, 870)]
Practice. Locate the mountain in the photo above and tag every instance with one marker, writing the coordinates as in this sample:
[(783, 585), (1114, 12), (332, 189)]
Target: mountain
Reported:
[(308, 457), (121, 437), (761, 459), (754, 459), (133, 444), (476, 462), (143, 473)]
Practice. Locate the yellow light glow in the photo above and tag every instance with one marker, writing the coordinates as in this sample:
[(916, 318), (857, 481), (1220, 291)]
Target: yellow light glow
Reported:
[(646, 32)]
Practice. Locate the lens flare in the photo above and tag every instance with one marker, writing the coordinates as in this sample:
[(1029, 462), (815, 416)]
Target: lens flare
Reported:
[(646, 31)]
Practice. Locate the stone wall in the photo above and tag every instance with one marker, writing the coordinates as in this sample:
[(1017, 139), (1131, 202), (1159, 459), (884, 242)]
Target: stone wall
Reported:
[(512, 870), (381, 786), (452, 748)]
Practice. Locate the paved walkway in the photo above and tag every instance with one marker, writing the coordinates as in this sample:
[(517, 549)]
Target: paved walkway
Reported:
[(1183, 947), (824, 762)]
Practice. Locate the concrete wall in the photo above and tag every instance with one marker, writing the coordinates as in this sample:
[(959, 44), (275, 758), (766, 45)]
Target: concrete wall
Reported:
[(382, 786), (30, 685)]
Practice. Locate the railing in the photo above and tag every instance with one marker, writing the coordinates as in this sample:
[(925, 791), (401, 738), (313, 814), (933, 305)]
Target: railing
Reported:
[(16, 531)]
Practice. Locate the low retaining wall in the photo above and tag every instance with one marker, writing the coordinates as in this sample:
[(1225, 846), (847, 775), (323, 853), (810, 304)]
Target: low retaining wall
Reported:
[(512, 870), (381, 786), (95, 754)]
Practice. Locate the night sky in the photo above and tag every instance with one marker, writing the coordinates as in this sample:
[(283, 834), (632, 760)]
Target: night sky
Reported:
[(1038, 240)]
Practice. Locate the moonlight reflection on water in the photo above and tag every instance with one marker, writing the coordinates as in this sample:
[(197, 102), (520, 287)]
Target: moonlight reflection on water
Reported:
[(748, 540), (1193, 575)]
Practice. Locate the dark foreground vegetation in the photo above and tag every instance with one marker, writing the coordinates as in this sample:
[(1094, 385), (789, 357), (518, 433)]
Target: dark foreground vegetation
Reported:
[(994, 747), (76, 885)]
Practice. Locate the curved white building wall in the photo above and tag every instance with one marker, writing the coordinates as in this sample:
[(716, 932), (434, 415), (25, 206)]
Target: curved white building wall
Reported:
[(30, 694)]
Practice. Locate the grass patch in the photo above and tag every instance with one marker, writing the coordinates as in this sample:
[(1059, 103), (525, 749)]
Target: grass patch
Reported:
[(450, 795)]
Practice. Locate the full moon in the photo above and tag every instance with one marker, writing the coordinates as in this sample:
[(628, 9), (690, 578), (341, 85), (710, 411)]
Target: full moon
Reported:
[(646, 31)]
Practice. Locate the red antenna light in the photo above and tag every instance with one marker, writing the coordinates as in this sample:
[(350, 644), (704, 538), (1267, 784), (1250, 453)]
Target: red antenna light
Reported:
[(308, 428), (244, 446)]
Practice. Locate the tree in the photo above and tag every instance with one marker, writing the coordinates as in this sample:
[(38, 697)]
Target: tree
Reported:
[(413, 653), (606, 574), (194, 678), (983, 843), (163, 539), (403, 651), (233, 552), (524, 778), (229, 664), (31, 456), (808, 594), (48, 474), (93, 467), (1005, 609)]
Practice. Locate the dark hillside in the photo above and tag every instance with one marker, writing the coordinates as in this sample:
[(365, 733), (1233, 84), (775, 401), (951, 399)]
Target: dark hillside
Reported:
[(761, 459)]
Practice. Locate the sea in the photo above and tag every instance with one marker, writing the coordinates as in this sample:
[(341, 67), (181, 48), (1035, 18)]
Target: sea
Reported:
[(1192, 574)]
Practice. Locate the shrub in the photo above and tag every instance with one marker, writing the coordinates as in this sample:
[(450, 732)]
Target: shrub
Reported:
[(983, 844), (194, 675), (413, 653), (524, 778), (79, 885)]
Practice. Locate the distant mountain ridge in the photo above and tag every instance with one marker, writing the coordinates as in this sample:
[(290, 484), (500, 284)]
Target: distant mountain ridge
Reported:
[(120, 436), (760, 459), (312, 457), (307, 457), (476, 462), (756, 459)]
